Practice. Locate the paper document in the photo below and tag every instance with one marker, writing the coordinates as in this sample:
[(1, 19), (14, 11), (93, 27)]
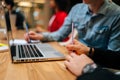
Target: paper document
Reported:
[(22, 42), (18, 41), (3, 47)]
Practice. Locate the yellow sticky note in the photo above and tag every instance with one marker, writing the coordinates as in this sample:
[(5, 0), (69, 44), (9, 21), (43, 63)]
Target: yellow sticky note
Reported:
[(1, 44)]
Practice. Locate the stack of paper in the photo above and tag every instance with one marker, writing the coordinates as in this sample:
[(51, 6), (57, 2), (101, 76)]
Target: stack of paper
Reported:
[(3, 47)]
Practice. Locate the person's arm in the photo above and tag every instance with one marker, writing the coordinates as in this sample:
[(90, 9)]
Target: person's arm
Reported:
[(86, 69), (99, 74), (107, 58), (64, 31)]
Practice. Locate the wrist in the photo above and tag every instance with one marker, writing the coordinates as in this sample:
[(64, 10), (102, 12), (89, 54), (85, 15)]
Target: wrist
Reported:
[(91, 51), (89, 68), (88, 50), (41, 37)]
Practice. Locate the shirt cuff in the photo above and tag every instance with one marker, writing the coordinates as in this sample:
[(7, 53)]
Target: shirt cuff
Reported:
[(45, 35)]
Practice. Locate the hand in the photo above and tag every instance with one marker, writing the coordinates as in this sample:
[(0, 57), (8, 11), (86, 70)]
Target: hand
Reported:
[(33, 36), (78, 47), (75, 63)]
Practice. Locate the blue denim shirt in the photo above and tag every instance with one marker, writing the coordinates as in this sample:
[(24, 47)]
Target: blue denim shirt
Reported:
[(100, 30)]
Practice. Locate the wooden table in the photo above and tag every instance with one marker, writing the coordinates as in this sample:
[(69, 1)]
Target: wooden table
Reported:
[(51, 70)]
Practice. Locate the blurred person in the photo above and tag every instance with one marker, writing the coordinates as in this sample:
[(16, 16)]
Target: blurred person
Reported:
[(85, 68), (97, 22), (105, 58), (60, 9), (19, 16), (60, 12)]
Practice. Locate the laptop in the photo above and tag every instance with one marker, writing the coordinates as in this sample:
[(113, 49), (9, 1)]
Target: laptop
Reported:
[(21, 51)]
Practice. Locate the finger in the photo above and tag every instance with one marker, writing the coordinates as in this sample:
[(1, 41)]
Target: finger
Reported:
[(70, 46), (68, 58), (31, 33), (26, 37), (67, 64), (76, 41), (33, 37), (84, 56), (73, 55), (73, 47)]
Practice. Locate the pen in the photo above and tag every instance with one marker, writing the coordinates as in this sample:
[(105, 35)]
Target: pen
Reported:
[(27, 31), (72, 33)]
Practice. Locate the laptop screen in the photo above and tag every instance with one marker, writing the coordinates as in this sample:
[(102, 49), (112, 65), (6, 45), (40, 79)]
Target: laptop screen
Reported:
[(31, 51), (10, 25), (14, 36)]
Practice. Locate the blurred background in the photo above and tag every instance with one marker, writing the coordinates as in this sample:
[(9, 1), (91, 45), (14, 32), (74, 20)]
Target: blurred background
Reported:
[(33, 12), (36, 14), (37, 11)]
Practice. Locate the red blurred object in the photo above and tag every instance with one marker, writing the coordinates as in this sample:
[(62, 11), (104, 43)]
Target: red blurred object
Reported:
[(57, 21)]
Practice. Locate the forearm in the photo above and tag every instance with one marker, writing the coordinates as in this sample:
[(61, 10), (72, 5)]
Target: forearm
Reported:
[(59, 35), (56, 36), (106, 58), (51, 36)]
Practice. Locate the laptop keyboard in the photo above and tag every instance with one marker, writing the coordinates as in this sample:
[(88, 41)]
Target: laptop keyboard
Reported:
[(32, 52), (28, 51)]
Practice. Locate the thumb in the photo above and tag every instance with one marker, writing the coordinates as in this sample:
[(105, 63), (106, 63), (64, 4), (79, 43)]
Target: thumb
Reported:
[(76, 41), (72, 47)]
